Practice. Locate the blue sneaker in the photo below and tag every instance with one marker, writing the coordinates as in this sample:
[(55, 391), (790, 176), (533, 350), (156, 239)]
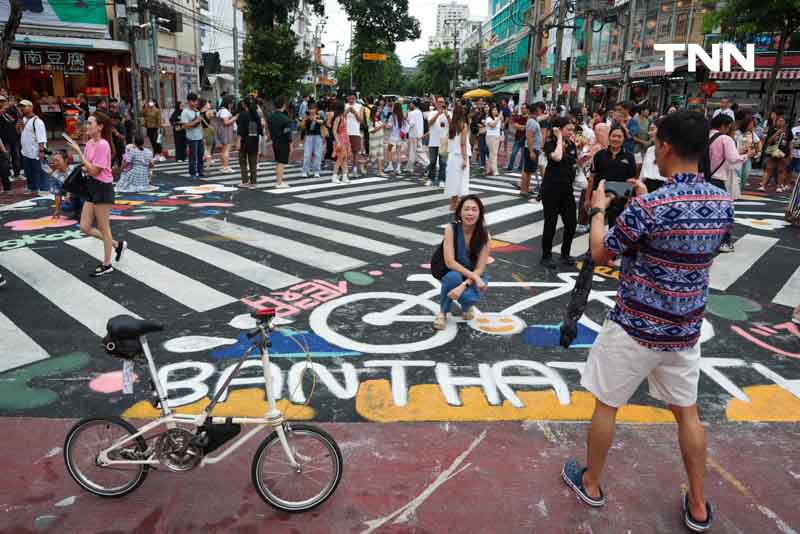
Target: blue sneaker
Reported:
[(572, 473)]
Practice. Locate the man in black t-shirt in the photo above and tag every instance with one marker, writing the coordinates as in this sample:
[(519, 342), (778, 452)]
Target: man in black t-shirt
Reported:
[(9, 116), (557, 196), (280, 130)]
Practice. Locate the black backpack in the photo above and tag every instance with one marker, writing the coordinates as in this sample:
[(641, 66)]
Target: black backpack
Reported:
[(704, 166)]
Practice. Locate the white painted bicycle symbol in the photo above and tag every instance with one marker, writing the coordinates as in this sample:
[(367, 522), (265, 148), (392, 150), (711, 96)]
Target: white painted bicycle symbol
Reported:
[(504, 322)]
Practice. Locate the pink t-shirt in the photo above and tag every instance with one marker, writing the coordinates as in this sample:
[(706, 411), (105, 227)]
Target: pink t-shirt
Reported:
[(98, 153)]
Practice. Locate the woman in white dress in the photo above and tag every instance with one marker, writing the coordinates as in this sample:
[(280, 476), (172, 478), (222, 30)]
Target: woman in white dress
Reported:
[(457, 183), (136, 166)]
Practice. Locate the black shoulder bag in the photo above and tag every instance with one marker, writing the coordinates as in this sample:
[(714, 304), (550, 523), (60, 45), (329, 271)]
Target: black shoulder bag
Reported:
[(438, 266), (76, 183)]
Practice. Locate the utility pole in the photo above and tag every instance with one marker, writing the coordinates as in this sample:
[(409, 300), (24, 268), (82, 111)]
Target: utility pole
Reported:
[(155, 80), (562, 15), (234, 5), (480, 53), (583, 72), (534, 40), (351, 54), (132, 11), (626, 45)]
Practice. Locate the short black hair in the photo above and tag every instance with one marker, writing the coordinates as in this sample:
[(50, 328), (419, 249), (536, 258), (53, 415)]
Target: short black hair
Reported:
[(537, 105), (686, 132), (191, 96), (722, 119), (560, 122), (279, 102)]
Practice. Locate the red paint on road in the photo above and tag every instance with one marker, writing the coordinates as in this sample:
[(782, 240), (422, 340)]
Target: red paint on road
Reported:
[(511, 483)]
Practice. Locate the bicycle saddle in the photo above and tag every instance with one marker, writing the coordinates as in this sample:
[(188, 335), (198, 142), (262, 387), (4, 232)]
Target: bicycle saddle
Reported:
[(127, 327)]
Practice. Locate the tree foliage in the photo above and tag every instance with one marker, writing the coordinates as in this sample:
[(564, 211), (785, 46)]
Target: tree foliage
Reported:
[(742, 19), (271, 64), (470, 69), (435, 70), (386, 22)]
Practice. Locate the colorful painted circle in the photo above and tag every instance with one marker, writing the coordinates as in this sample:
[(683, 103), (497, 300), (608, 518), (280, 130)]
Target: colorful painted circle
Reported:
[(359, 279), (498, 324), (395, 265), (376, 273), (425, 266)]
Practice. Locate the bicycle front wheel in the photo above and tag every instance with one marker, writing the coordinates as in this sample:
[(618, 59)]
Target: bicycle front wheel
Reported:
[(301, 488), (82, 448)]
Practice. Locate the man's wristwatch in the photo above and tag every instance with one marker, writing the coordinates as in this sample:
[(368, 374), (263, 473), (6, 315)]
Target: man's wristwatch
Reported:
[(595, 211)]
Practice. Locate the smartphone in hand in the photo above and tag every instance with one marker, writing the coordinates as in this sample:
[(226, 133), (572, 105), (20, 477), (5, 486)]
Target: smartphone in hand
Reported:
[(68, 139)]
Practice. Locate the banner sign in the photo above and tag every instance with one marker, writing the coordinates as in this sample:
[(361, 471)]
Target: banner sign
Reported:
[(367, 56), (53, 60), (61, 15)]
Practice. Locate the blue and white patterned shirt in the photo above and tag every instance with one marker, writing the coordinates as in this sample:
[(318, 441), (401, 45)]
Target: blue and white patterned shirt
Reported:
[(668, 240)]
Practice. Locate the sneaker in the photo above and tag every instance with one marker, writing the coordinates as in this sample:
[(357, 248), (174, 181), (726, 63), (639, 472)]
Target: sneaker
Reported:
[(761, 188), (335, 179), (121, 246), (440, 185), (548, 263), (428, 183), (101, 270), (346, 179), (725, 248), (305, 175), (282, 185), (317, 175), (572, 473), (567, 261)]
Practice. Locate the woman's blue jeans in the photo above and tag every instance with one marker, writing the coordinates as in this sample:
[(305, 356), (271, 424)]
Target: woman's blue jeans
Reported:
[(468, 298)]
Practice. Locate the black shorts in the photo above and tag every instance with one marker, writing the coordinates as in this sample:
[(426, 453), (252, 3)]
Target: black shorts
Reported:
[(281, 152), (530, 165), (100, 192)]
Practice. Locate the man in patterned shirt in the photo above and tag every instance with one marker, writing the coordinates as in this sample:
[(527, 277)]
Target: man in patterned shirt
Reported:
[(667, 240)]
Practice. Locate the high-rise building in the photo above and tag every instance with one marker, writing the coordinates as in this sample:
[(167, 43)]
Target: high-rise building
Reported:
[(449, 16)]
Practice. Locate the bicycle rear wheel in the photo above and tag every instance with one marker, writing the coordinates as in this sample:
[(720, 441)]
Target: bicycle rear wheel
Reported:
[(83, 445), (297, 489)]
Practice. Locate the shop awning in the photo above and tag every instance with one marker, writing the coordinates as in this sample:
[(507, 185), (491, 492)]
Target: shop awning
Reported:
[(509, 88), (603, 77), (785, 74)]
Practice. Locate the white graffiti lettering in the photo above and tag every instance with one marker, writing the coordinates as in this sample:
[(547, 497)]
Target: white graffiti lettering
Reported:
[(274, 373), (349, 390), (196, 383), (549, 377), (448, 383), (398, 376)]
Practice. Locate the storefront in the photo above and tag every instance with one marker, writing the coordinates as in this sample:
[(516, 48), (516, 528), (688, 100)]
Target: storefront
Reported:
[(749, 89)]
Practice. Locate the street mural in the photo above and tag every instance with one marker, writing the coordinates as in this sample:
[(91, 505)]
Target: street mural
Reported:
[(358, 345)]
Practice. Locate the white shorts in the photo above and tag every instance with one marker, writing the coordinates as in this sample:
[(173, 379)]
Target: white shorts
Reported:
[(618, 364)]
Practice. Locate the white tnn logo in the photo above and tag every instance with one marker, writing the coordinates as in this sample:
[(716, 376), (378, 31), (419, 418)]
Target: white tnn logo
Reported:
[(696, 52)]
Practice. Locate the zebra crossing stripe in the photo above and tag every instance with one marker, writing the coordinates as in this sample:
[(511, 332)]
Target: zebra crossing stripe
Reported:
[(16, 347), (789, 295), (512, 212), (405, 203), (290, 190), (478, 185), (332, 262), (727, 268), (580, 244), (346, 190), (337, 236), (441, 211), (77, 299), (259, 172), (177, 286), (362, 223), (222, 259), (270, 182), (377, 196), (524, 233)]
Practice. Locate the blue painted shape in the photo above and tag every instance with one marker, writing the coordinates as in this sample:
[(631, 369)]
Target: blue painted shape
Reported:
[(210, 211), (213, 197), (548, 335), (284, 347)]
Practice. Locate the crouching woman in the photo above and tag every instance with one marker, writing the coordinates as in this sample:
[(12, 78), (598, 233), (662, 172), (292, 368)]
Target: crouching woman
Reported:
[(466, 253)]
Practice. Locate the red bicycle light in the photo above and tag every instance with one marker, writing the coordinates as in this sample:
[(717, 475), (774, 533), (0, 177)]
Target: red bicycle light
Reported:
[(265, 312)]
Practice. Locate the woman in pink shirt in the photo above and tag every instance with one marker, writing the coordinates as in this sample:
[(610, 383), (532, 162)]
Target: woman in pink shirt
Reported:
[(723, 155), (96, 159)]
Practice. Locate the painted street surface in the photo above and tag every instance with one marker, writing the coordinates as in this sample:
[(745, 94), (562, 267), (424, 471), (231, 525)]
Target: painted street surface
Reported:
[(347, 268)]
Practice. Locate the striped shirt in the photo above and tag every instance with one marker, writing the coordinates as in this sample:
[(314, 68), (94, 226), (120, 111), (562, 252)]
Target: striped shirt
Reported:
[(668, 240)]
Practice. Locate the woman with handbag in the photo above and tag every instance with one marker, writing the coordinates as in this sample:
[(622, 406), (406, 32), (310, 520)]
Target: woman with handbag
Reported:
[(96, 160), (398, 129), (776, 152), (465, 250), (224, 134)]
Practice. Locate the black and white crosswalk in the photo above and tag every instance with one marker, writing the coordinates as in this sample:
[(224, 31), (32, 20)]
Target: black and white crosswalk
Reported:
[(204, 266)]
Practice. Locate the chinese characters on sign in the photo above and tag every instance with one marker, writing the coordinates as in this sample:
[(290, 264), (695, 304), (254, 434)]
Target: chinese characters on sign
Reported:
[(69, 62), (299, 297)]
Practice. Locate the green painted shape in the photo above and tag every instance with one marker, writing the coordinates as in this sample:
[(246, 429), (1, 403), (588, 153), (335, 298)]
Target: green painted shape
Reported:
[(359, 279), (732, 307), (16, 394), (43, 522), (68, 12)]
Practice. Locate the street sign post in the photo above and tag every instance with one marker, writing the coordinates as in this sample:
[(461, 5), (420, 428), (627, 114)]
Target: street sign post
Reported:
[(368, 56)]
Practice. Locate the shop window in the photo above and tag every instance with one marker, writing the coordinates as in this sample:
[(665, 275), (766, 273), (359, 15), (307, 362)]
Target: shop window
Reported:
[(665, 22), (649, 34), (681, 23)]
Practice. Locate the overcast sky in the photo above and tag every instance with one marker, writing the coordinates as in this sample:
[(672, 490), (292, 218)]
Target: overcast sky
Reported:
[(338, 28)]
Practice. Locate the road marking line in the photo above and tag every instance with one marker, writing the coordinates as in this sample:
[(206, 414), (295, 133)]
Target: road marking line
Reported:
[(346, 190), (732, 480), (789, 295), (274, 244), (222, 259), (580, 244), (290, 190), (441, 211), (324, 232), (377, 196), (482, 187), (177, 286), (16, 347), (77, 299), (728, 268), (373, 225), (398, 204)]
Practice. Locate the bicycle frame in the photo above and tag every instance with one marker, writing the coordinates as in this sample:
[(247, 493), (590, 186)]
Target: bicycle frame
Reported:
[(273, 417)]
